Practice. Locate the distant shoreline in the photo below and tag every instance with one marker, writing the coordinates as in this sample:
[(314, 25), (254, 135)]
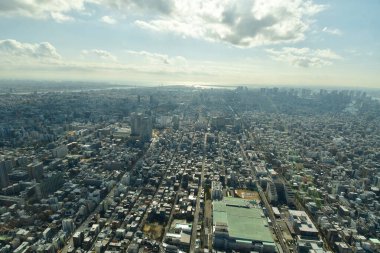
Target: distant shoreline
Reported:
[(31, 86)]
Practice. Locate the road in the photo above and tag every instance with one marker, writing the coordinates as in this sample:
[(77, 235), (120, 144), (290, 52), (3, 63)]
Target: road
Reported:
[(198, 207), (142, 223), (167, 227), (271, 215), (70, 243), (264, 199)]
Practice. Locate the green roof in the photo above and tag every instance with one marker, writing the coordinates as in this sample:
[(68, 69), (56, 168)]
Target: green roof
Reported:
[(244, 221), (5, 238)]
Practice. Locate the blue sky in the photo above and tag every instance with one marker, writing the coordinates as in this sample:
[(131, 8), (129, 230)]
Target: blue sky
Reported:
[(224, 42)]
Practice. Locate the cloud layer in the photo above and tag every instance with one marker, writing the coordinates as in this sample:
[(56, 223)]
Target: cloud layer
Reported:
[(305, 57), (158, 58), (108, 20), (60, 10), (40, 51), (16, 54), (98, 53), (333, 31), (55, 9), (155, 6), (243, 23)]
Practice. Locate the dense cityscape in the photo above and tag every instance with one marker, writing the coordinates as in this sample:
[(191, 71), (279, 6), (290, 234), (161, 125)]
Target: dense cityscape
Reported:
[(85, 168)]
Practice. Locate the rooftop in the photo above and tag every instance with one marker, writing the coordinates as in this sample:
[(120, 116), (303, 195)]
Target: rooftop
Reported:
[(244, 221)]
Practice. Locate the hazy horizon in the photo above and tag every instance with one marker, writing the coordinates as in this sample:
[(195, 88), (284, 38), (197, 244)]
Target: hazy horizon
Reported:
[(8, 82)]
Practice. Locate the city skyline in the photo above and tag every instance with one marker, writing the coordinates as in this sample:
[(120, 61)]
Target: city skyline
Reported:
[(324, 43)]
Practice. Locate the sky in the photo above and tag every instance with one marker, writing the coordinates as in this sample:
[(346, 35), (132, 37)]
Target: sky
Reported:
[(207, 42)]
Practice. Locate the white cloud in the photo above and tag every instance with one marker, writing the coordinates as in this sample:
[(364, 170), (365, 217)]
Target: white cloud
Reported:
[(305, 57), (60, 18), (159, 6), (158, 58), (58, 10), (17, 57), (108, 20), (55, 9), (333, 31), (18, 50), (244, 23), (98, 53)]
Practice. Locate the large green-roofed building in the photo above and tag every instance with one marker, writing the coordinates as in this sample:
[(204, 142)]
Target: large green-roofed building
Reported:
[(239, 225)]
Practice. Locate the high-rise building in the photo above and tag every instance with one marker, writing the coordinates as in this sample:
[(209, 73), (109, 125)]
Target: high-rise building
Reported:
[(175, 121), (4, 179), (271, 192), (146, 128), (151, 99), (134, 124), (289, 196), (36, 171), (141, 125), (78, 239), (68, 225)]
